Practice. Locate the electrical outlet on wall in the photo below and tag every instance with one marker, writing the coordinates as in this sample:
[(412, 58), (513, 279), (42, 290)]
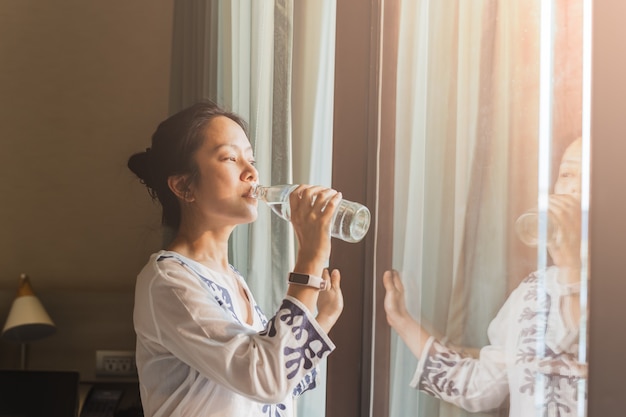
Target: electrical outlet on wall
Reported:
[(116, 362)]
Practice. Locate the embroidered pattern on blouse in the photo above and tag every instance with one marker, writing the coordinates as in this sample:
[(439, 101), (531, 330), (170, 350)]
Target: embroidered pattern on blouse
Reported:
[(559, 384), (257, 309), (297, 356), (221, 294), (557, 373), (435, 378), (261, 315), (307, 383), (310, 342), (274, 410)]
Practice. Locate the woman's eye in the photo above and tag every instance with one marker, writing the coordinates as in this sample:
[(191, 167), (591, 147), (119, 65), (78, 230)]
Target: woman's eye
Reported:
[(252, 162)]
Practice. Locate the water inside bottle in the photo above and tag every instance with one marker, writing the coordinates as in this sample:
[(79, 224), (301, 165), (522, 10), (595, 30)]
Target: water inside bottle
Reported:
[(281, 209), (351, 222), (528, 230)]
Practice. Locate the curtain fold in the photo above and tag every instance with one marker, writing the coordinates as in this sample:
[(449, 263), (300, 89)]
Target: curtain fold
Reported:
[(313, 90)]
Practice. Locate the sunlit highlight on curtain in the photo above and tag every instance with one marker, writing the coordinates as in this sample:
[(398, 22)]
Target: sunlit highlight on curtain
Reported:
[(585, 196)]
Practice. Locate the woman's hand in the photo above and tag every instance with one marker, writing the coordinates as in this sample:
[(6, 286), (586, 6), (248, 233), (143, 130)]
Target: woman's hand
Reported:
[(312, 209), (330, 301), (394, 304), (398, 317), (565, 252)]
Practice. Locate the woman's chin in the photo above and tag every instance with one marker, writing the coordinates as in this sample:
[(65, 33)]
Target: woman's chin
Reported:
[(252, 217)]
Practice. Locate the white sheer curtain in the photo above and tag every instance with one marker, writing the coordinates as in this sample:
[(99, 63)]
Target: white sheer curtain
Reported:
[(271, 61)]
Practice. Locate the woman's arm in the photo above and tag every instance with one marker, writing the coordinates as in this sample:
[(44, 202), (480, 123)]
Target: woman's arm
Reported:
[(312, 209), (471, 383)]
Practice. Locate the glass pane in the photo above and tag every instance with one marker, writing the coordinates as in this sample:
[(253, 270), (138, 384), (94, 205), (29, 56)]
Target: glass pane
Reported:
[(490, 221)]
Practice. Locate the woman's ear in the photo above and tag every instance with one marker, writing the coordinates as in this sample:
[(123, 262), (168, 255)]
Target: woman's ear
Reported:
[(179, 184)]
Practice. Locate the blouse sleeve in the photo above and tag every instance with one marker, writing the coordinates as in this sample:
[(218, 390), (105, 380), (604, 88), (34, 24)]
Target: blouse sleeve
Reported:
[(470, 383), (475, 384), (266, 366)]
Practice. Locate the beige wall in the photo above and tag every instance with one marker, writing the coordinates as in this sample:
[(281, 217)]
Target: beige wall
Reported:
[(82, 86)]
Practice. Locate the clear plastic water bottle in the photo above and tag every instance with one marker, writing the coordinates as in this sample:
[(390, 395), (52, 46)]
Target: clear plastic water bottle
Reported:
[(350, 222), (527, 228)]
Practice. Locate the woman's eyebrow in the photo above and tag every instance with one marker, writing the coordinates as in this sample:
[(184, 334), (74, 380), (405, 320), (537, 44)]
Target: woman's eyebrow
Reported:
[(571, 162), (233, 146)]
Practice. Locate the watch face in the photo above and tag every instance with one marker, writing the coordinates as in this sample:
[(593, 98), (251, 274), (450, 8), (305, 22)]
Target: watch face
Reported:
[(299, 279)]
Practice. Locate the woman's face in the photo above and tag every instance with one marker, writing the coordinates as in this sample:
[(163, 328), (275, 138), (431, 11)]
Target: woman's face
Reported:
[(222, 191), (569, 180)]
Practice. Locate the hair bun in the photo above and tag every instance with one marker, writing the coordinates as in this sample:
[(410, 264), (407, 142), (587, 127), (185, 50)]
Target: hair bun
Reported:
[(141, 164)]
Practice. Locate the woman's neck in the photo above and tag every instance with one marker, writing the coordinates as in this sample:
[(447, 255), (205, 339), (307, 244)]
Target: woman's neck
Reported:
[(205, 248)]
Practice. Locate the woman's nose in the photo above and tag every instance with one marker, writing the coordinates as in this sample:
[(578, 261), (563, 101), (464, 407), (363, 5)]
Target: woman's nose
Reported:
[(574, 189), (251, 174)]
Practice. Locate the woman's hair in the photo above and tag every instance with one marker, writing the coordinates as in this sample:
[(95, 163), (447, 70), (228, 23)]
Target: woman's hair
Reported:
[(174, 145)]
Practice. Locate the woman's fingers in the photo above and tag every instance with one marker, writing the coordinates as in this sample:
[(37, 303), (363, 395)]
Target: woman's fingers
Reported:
[(392, 281), (315, 200), (330, 303), (333, 279)]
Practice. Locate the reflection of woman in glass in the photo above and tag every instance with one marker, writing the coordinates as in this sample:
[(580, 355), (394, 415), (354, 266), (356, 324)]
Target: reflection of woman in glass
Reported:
[(532, 355)]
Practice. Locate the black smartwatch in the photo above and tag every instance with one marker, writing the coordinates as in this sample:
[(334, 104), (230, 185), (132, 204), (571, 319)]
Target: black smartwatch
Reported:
[(307, 280)]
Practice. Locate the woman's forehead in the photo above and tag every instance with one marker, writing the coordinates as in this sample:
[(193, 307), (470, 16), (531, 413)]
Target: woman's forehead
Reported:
[(573, 153), (222, 131)]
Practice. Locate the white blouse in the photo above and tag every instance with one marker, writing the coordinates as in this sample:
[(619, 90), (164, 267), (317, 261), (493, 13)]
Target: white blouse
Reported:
[(197, 357), (531, 358)]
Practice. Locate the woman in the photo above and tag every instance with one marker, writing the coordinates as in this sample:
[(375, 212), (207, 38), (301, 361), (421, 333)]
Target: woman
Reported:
[(204, 348), (532, 355)]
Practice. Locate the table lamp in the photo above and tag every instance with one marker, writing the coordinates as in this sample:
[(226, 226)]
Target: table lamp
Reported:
[(28, 319)]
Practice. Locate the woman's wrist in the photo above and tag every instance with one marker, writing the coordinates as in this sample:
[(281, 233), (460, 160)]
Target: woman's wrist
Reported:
[(309, 267), (306, 295), (400, 321), (326, 321), (569, 274)]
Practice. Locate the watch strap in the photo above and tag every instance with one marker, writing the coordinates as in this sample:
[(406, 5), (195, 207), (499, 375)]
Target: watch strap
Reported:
[(307, 280)]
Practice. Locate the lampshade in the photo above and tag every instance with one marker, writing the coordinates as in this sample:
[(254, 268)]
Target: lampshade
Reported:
[(28, 319)]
